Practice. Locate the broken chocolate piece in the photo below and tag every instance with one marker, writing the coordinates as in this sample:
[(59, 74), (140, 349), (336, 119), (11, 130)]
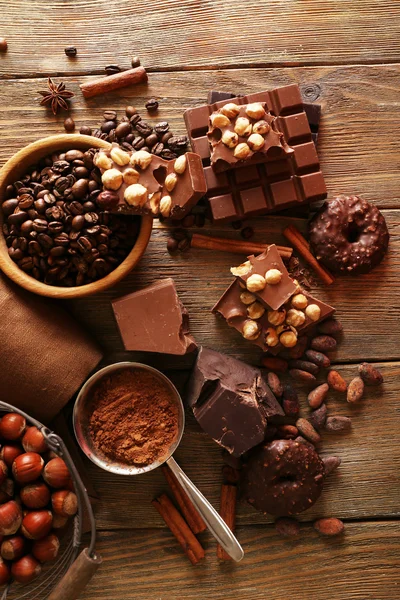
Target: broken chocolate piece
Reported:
[(231, 401), (154, 320)]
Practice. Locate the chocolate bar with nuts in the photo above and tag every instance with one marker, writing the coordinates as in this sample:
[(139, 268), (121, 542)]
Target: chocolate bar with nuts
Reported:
[(143, 183)]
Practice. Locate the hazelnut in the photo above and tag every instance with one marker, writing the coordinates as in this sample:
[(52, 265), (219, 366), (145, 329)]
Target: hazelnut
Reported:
[(36, 525), (255, 283), (298, 287), (7, 491), (5, 573), (180, 164), (56, 473), (313, 312), (141, 158), (102, 161), (242, 151), (112, 179), (219, 120), (285, 327), (247, 298), (33, 441), (119, 156), (10, 518), (155, 202), (271, 337), (165, 206), (13, 548), (255, 310), (64, 503), (130, 176), (59, 522), (35, 495), (242, 269), (107, 200), (273, 276), (276, 317), (136, 194), (261, 127), (231, 110), (256, 142), (26, 569), (251, 330), (242, 127), (230, 139), (299, 301), (9, 453), (255, 110), (12, 426), (47, 548), (288, 339), (3, 471), (27, 467), (170, 182), (295, 317)]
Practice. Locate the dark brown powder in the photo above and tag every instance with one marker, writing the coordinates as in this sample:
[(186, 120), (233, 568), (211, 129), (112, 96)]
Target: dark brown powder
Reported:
[(135, 420)]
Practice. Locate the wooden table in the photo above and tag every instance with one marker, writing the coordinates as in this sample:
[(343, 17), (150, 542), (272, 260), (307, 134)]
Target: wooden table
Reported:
[(346, 56)]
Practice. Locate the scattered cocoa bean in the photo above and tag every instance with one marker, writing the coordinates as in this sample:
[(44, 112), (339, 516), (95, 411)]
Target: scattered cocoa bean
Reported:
[(304, 365), (317, 395), (230, 475), (330, 327), (308, 431), (298, 350), (287, 527), (355, 390), (329, 526), (331, 463), (275, 384), (336, 381), (278, 365), (290, 403), (299, 375), (287, 432), (318, 358), (337, 424), (369, 374), (323, 343), (318, 417)]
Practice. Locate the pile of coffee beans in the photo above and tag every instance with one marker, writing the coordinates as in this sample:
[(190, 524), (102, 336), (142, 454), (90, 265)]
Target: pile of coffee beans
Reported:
[(57, 225), (133, 133)]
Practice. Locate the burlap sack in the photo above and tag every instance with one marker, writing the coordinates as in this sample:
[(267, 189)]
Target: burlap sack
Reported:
[(44, 354)]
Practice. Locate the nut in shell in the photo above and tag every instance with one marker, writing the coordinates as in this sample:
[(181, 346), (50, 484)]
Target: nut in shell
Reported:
[(136, 194), (231, 110), (251, 330), (255, 310), (255, 283), (255, 110), (180, 164), (112, 179)]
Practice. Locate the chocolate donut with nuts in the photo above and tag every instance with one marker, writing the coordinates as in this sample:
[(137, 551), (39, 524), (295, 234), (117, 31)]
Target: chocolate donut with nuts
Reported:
[(283, 478), (349, 235)]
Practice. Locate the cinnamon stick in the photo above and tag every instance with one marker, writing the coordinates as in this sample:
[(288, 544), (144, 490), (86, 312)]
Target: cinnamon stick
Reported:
[(113, 82), (188, 509), (245, 247), (179, 528), (301, 245), (228, 513)]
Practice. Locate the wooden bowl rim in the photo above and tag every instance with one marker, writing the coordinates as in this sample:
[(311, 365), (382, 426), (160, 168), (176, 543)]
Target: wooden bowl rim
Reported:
[(19, 162)]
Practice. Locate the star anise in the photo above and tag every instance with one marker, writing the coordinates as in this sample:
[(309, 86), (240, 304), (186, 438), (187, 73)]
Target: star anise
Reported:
[(56, 96)]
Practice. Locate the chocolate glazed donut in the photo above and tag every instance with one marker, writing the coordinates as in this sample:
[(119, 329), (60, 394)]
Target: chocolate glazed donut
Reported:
[(349, 235), (283, 478)]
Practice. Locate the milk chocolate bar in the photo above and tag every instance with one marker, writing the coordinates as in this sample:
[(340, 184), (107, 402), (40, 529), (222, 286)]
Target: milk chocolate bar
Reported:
[(154, 320), (231, 401), (143, 183)]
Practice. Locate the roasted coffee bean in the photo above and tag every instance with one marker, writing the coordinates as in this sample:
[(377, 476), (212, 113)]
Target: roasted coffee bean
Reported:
[(69, 124), (74, 155), (80, 188), (157, 149), (178, 142), (122, 130), (107, 126), (134, 119), (26, 263), (84, 244), (76, 208), (135, 62), (151, 105), (112, 69), (92, 218), (25, 201), (184, 245), (162, 128), (70, 51), (55, 227), (151, 140), (143, 128), (9, 206), (172, 245), (17, 218), (130, 111), (89, 206), (45, 241), (110, 115), (167, 136), (26, 227), (85, 130), (138, 143), (168, 154), (40, 225)]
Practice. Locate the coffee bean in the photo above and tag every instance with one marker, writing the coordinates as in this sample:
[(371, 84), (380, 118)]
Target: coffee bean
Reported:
[(45, 241), (91, 217), (166, 137), (9, 206), (107, 126), (134, 119), (26, 264), (26, 227), (178, 142), (73, 155), (85, 130), (70, 51), (40, 225), (3, 44), (135, 62), (151, 140), (184, 245), (157, 149), (25, 201), (168, 154), (80, 188), (69, 124), (17, 218), (110, 115), (162, 128), (75, 208), (130, 111), (138, 143), (172, 245), (55, 227), (151, 105), (122, 130), (143, 128), (112, 69)]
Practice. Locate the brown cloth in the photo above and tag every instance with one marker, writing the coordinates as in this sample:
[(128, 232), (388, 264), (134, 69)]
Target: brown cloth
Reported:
[(44, 354)]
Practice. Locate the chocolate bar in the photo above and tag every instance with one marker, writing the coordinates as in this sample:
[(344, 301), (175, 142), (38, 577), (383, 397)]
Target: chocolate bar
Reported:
[(263, 188), (154, 320), (143, 183), (231, 401)]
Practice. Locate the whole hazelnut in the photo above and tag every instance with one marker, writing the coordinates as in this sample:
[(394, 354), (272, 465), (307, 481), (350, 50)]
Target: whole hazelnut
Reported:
[(299, 301), (47, 549), (64, 503), (13, 548), (36, 525), (12, 426), (170, 182), (242, 269), (255, 310), (180, 164), (255, 283), (242, 127), (26, 569), (27, 467), (247, 298), (288, 339), (112, 179), (261, 127), (56, 473), (219, 120), (35, 495), (130, 176), (295, 317), (9, 453), (242, 151), (271, 337), (273, 276), (141, 158), (276, 317), (107, 200), (136, 194), (251, 330), (10, 518), (256, 142), (231, 110), (5, 573), (102, 161), (59, 522), (230, 139), (33, 441), (313, 312), (255, 110)]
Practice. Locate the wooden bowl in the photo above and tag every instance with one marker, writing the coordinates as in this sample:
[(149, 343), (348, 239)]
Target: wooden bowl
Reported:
[(15, 168)]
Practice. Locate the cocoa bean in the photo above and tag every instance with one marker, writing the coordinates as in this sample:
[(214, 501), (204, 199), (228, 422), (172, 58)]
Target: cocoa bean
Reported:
[(307, 430), (329, 526), (317, 396), (336, 381), (298, 350), (290, 404), (369, 374), (330, 327), (355, 390), (304, 365), (230, 475), (300, 375), (278, 365), (337, 424), (331, 463), (275, 384), (318, 417), (323, 343), (318, 358), (287, 527), (287, 432), (301, 440)]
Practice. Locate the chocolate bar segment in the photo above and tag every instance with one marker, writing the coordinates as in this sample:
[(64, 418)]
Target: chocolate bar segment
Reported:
[(154, 320)]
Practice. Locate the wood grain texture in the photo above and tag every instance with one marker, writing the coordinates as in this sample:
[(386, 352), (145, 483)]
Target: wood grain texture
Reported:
[(360, 565), (195, 33)]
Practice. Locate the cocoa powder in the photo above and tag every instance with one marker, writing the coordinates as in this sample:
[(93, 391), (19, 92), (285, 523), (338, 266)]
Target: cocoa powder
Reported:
[(135, 419)]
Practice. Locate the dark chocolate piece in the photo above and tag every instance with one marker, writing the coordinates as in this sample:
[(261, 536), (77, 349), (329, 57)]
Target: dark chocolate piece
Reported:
[(154, 320), (215, 96), (231, 401)]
